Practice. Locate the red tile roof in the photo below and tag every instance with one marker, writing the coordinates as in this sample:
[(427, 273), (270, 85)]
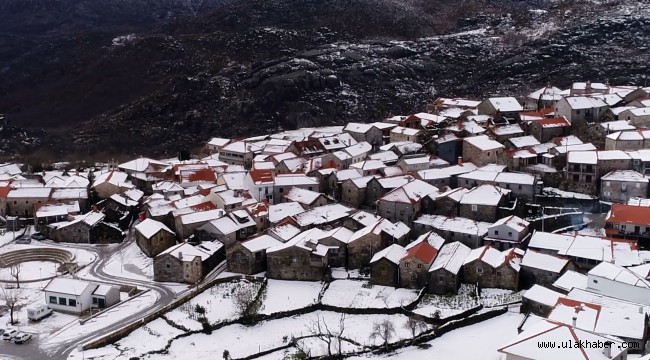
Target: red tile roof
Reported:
[(201, 175), (4, 191), (204, 206), (261, 175), (629, 214), (422, 251)]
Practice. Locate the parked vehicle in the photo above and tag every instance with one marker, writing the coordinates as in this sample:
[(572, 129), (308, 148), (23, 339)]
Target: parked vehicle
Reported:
[(24, 239), (39, 312), (38, 236), (9, 334), (22, 338)]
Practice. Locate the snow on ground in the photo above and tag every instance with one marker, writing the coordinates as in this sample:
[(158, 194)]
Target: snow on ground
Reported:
[(107, 318), (153, 336), (31, 270), (217, 301), (81, 256), (243, 341), (289, 295), (130, 262), (476, 342), (362, 294), (8, 237), (554, 192), (341, 273), (448, 305), (498, 297)]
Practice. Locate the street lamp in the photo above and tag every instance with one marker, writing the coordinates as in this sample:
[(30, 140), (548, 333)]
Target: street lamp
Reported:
[(40, 277)]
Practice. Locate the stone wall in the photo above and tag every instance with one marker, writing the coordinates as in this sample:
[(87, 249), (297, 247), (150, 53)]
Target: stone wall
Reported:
[(384, 272), (295, 264), (442, 282)]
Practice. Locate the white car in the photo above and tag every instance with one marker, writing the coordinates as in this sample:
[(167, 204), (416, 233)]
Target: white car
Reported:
[(22, 338), (9, 334)]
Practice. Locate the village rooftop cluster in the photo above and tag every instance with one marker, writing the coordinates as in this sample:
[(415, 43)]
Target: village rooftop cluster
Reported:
[(490, 193)]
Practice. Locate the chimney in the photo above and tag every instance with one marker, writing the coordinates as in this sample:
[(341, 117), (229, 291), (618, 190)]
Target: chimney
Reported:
[(574, 321), (180, 257), (640, 309), (607, 350), (460, 160)]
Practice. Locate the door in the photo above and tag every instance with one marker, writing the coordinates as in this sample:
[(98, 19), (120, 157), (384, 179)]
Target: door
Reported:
[(101, 303), (637, 230)]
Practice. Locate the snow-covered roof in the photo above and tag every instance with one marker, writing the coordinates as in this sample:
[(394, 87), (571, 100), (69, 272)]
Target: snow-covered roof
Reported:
[(571, 279), (511, 129), (577, 147), (485, 194), (583, 157), (410, 193), (451, 257), (141, 164), (443, 173), (644, 111), (619, 125), (123, 200), (384, 156), (523, 141), (483, 143), (357, 127), (187, 252), (471, 127), (295, 180), (625, 175), (613, 155), (47, 210), (302, 196), (405, 131), (368, 165), (68, 286), (149, 228), (514, 222), (584, 102), (284, 232), (515, 178), (280, 211), (215, 141), (365, 218), (505, 104), (393, 253), (260, 243), (29, 192), (454, 224), (432, 238), (322, 215), (619, 274), (346, 174), (404, 147), (358, 149), (542, 295), (538, 260), (486, 254), (547, 93), (241, 147), (479, 175), (113, 177), (303, 241)]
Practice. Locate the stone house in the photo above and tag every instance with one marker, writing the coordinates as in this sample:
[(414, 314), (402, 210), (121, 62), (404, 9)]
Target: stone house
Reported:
[(445, 273), (378, 187), (542, 269), (290, 166), (622, 185), (337, 240), (185, 263), (249, 257), (368, 241), (365, 132), (467, 231), (449, 147), (385, 266), (369, 167), (399, 134), (111, 183), (543, 98), (21, 201), (186, 222), (307, 198), (154, 237), (48, 213), (506, 233), (539, 300), (639, 117), (414, 163), (481, 150), (482, 203), (214, 145), (353, 191), (239, 153), (339, 160), (500, 107), (447, 203), (403, 203), (236, 226), (77, 230), (547, 129), (641, 161), (582, 171), (358, 152), (610, 160), (490, 268), (415, 264), (301, 258), (628, 140), (501, 133), (579, 110)]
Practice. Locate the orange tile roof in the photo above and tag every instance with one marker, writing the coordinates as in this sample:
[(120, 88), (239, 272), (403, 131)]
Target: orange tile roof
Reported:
[(423, 251), (261, 175), (201, 175), (204, 206), (4, 191), (629, 214)]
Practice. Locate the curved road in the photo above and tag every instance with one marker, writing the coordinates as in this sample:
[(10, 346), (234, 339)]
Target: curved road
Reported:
[(31, 351)]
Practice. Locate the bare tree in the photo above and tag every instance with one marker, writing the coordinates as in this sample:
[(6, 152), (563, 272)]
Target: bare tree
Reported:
[(243, 298), (11, 297), (385, 330), (330, 336), (15, 273), (415, 326)]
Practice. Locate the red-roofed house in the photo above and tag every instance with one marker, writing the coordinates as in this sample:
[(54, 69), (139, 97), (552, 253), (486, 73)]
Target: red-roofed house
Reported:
[(414, 266), (628, 221), (4, 190), (260, 184), (546, 129)]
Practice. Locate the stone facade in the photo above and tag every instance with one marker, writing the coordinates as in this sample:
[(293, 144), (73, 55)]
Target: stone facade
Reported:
[(79, 232), (398, 211), (414, 273), (622, 191), (384, 272), (159, 242), (243, 261), (486, 276), (443, 282), (487, 213), (335, 257), (352, 195), (478, 156), (361, 250), (530, 276), (295, 263), (168, 268)]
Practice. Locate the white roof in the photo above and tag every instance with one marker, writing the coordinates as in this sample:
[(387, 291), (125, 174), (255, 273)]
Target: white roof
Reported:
[(140, 164), (484, 195), (486, 254), (280, 211), (47, 210), (619, 274), (583, 157), (346, 174), (365, 218), (451, 257), (479, 175), (241, 147), (394, 181), (322, 214), (446, 172), (483, 143), (613, 155), (295, 179), (523, 141), (431, 237), (393, 253), (357, 127), (619, 125), (67, 286), (302, 196), (202, 216), (285, 231), (587, 247), (412, 192), (113, 177), (537, 260), (260, 243), (29, 192), (185, 251), (507, 129), (405, 131), (577, 147), (469, 126), (358, 149), (385, 156), (514, 222), (505, 104), (454, 224), (149, 228), (542, 295), (102, 290), (457, 102), (547, 93), (215, 141), (644, 111), (369, 165), (625, 175), (584, 102), (570, 280), (515, 178)]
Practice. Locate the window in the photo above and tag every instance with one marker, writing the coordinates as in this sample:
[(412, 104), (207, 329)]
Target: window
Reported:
[(294, 260), (419, 266), (576, 178), (519, 187), (15, 202), (595, 281), (496, 232), (606, 183), (94, 300), (509, 233), (169, 266), (474, 207), (440, 279), (62, 301), (52, 299), (488, 153), (309, 188), (498, 273), (281, 190), (414, 276), (408, 265), (72, 302), (479, 271), (577, 112)]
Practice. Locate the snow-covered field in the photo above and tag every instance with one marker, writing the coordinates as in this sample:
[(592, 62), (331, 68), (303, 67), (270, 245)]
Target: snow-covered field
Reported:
[(554, 192), (130, 262), (448, 305), (498, 297), (31, 270), (361, 294), (289, 295), (475, 342), (217, 301)]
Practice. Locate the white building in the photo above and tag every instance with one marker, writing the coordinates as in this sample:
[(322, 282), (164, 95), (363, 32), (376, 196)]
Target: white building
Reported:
[(616, 281), (69, 295)]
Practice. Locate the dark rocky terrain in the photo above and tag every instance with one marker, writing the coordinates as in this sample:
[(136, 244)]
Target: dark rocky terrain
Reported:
[(126, 77)]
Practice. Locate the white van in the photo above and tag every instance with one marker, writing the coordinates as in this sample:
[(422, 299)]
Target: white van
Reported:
[(37, 313)]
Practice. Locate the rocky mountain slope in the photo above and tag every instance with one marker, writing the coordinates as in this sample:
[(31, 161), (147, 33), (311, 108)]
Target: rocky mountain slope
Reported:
[(176, 73)]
